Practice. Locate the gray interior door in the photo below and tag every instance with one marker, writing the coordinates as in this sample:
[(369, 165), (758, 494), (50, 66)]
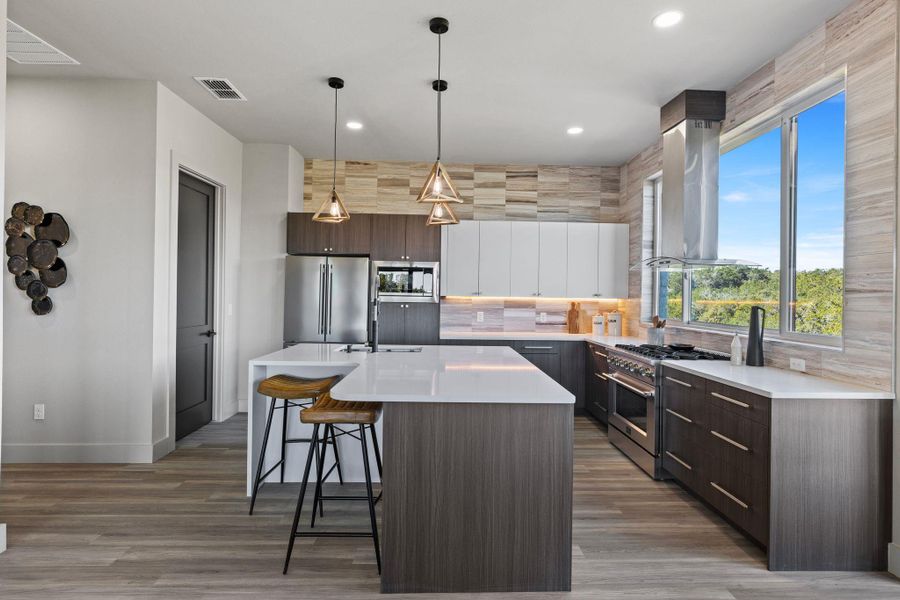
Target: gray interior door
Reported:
[(194, 348)]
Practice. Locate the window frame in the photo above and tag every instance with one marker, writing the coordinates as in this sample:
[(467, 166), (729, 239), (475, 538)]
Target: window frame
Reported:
[(784, 117)]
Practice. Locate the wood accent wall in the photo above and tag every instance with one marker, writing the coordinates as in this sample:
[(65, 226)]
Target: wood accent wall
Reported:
[(862, 39), (510, 192)]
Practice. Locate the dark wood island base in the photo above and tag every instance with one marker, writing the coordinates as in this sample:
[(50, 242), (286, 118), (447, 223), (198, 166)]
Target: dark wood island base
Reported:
[(477, 497)]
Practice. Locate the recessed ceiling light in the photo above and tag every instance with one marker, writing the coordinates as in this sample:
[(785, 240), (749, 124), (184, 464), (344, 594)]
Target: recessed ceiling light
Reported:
[(670, 18), (575, 130), (354, 125)]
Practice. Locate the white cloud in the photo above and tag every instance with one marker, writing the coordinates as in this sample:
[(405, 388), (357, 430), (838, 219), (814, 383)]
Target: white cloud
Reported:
[(736, 197)]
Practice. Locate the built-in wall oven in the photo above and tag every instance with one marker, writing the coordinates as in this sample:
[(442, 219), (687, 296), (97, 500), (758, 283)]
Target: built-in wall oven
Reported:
[(404, 281)]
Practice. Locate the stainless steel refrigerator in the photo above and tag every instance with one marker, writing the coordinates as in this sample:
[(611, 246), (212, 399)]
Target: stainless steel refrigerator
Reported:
[(326, 299)]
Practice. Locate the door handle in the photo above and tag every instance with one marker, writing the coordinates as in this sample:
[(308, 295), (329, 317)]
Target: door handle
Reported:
[(209, 333), (321, 298), (330, 284)]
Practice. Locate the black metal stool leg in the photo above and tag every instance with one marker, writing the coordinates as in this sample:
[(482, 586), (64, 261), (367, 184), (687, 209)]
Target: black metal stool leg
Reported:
[(284, 413), (309, 457), (262, 456), (315, 444), (377, 449), (320, 466), (365, 452), (337, 458)]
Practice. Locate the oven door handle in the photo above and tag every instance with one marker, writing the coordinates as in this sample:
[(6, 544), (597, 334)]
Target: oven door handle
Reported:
[(628, 386)]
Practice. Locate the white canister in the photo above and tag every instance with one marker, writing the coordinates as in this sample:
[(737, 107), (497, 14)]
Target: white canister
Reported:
[(598, 325), (614, 324)]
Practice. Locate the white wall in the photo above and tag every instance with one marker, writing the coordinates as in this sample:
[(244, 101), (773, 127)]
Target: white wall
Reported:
[(273, 185), (2, 189), (85, 149), (187, 138)]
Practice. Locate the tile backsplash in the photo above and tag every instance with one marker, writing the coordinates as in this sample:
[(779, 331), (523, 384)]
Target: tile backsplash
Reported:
[(517, 314)]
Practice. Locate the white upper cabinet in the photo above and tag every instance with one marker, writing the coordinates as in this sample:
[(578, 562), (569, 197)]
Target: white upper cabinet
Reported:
[(494, 258), (524, 258), (552, 260), (527, 259), (460, 263), (584, 260), (613, 251)]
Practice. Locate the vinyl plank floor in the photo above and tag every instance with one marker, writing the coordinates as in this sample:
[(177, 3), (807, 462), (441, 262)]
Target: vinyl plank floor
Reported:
[(179, 528)]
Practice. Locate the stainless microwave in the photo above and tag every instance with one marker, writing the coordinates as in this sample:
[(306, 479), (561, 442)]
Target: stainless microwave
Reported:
[(405, 281)]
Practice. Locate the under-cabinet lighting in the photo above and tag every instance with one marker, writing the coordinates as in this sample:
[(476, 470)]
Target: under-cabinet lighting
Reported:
[(541, 298)]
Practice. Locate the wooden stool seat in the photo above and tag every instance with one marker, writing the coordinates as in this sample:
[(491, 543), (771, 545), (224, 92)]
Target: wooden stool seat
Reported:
[(327, 410), (287, 387)]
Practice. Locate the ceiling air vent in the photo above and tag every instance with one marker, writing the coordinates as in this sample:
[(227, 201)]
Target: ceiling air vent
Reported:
[(220, 87), (25, 48)]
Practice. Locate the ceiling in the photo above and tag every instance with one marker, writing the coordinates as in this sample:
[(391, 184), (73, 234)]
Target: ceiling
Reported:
[(520, 72)]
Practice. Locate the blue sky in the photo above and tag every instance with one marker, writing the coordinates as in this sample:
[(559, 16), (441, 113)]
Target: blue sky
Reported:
[(750, 194)]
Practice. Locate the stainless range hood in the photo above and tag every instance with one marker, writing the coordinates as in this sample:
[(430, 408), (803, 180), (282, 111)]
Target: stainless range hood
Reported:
[(689, 213)]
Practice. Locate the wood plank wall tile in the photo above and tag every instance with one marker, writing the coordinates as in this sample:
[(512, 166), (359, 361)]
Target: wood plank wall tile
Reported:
[(488, 191), (863, 40)]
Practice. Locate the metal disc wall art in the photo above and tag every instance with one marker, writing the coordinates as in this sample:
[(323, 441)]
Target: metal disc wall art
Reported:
[(32, 244)]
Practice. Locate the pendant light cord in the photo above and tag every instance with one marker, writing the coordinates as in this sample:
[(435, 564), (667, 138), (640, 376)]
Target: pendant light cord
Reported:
[(334, 155), (439, 100)]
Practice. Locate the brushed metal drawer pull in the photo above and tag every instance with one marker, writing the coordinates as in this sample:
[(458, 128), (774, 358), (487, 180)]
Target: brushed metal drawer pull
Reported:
[(730, 496), (732, 400), (729, 440), (602, 376), (679, 461), (679, 382), (599, 354), (538, 347), (679, 415)]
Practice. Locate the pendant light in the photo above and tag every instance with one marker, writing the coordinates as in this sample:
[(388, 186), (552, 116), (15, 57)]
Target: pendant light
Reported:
[(439, 189), (333, 209)]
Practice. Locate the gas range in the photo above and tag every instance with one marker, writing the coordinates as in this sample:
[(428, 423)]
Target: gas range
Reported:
[(635, 406)]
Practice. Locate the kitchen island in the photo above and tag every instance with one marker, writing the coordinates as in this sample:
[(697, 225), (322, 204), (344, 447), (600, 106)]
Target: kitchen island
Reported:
[(477, 462)]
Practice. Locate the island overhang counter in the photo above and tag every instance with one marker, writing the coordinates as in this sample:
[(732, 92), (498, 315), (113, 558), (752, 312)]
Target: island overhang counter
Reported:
[(477, 483)]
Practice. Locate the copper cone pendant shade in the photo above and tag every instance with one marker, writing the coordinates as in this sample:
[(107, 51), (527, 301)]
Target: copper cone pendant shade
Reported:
[(438, 187), (441, 214), (332, 210)]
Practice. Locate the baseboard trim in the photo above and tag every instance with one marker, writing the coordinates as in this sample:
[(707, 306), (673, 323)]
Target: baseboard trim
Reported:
[(78, 453), (242, 405), (163, 447), (894, 559)]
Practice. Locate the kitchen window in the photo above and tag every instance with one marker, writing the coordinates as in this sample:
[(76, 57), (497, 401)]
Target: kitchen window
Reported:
[(781, 205)]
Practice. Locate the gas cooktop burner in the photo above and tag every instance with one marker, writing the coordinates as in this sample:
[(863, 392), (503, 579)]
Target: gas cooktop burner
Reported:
[(668, 353)]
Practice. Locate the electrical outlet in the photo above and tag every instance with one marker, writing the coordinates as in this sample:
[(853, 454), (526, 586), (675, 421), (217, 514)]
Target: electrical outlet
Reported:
[(38, 412), (479, 316), (543, 317), (798, 364)]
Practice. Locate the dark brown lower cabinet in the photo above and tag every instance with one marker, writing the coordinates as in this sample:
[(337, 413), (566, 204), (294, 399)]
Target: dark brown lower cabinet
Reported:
[(807, 479), (415, 323), (596, 400)]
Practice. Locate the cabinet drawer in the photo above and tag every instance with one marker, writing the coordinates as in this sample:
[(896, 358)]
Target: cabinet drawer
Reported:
[(741, 497), (599, 356), (738, 401), (536, 347), (682, 455), (742, 443)]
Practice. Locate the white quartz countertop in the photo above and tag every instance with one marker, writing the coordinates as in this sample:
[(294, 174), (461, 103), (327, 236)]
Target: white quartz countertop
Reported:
[(541, 336), (776, 383), (464, 374)]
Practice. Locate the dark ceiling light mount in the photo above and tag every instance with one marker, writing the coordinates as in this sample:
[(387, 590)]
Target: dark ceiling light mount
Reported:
[(333, 209), (439, 189)]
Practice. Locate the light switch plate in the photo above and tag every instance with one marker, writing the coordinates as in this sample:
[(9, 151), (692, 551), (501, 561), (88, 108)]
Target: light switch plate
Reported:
[(479, 316), (798, 364), (38, 412)]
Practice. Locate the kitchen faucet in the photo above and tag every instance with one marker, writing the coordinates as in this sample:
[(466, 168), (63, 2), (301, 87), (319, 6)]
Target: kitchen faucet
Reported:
[(376, 308)]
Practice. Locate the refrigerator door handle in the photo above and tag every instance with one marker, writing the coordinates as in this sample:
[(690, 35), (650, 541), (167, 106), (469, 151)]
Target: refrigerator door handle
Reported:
[(321, 321), (330, 290)]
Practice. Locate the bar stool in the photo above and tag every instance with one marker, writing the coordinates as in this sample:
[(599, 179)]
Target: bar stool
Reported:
[(330, 413), (294, 392)]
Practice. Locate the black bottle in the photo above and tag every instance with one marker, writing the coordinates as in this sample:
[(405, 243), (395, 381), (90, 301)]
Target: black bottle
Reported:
[(755, 337)]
